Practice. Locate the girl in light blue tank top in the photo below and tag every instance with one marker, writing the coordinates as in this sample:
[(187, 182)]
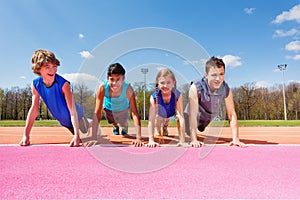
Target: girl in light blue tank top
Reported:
[(116, 104), (116, 96)]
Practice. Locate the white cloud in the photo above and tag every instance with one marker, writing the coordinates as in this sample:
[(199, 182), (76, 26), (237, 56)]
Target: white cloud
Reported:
[(293, 81), (262, 84), (293, 46), (292, 14), (86, 54), (249, 10), (78, 78), (233, 61), (22, 77), (282, 33), (295, 57), (81, 36)]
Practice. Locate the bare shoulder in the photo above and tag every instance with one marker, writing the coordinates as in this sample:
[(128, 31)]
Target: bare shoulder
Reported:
[(100, 91), (33, 90), (230, 96), (193, 90), (66, 88), (129, 91), (101, 87)]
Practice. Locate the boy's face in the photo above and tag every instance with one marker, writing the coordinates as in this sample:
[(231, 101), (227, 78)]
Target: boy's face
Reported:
[(215, 78), (48, 72), (166, 84), (115, 82)]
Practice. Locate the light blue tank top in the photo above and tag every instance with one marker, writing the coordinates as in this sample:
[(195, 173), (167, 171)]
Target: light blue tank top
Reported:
[(55, 100), (116, 104)]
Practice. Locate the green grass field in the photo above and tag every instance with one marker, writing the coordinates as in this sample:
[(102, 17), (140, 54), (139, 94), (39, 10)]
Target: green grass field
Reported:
[(12, 123)]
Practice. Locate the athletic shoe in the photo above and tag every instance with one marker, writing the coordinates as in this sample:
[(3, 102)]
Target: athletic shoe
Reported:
[(116, 130), (124, 130)]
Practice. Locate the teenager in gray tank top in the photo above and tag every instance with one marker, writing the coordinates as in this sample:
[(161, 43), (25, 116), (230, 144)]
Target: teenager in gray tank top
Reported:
[(205, 98)]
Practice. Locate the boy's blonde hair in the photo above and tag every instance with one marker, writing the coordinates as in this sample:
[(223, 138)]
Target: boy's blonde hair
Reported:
[(41, 57)]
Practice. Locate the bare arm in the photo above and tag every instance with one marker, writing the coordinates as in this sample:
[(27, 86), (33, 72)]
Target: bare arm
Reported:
[(98, 109), (92, 139), (135, 115), (193, 112), (232, 117), (72, 109), (180, 120), (151, 124), (31, 116)]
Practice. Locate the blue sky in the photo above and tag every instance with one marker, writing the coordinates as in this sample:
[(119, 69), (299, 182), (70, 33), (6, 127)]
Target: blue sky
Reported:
[(252, 36)]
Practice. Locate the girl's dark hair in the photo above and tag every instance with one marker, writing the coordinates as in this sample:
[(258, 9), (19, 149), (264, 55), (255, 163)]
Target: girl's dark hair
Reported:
[(115, 68)]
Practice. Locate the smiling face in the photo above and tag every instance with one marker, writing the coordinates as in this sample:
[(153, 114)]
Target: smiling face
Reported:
[(44, 61), (48, 71), (166, 83), (115, 82), (215, 78)]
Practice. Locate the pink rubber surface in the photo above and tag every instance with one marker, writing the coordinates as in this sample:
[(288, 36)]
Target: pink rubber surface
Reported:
[(56, 172)]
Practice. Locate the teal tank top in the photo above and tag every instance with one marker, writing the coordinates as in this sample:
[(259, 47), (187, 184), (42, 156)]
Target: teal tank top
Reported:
[(116, 104)]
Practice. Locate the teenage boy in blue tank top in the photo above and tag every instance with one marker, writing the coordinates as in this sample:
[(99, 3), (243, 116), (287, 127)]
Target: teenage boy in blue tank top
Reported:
[(56, 93), (205, 97), (116, 97)]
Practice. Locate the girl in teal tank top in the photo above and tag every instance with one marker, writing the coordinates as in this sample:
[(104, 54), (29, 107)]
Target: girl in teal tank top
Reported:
[(116, 97)]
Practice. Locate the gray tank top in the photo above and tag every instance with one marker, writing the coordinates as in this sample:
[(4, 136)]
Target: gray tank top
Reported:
[(209, 103)]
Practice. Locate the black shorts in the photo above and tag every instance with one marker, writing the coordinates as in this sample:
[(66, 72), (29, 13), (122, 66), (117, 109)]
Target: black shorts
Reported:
[(201, 124), (71, 129)]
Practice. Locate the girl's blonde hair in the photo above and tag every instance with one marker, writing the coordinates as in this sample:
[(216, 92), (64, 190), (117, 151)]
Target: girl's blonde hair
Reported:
[(41, 57)]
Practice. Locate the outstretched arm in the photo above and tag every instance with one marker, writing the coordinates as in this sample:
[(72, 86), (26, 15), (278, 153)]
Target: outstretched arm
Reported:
[(151, 124), (180, 121), (98, 109), (135, 115), (32, 114), (91, 140), (75, 142), (193, 112), (232, 117)]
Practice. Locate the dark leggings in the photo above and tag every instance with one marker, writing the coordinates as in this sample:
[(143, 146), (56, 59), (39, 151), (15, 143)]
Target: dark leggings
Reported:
[(71, 129)]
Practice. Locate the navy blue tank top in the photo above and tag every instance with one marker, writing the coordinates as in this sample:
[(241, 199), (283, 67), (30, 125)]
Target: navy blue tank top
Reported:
[(166, 110), (55, 100)]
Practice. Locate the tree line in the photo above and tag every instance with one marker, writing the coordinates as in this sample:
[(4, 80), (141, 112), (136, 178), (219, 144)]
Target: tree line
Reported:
[(251, 102)]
